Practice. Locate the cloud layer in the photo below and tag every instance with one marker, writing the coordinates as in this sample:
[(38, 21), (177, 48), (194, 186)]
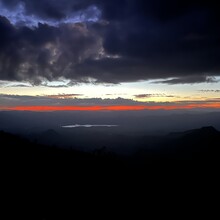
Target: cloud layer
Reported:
[(75, 102), (109, 41)]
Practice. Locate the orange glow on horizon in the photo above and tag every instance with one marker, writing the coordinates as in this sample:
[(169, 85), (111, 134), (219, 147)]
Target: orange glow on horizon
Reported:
[(113, 108)]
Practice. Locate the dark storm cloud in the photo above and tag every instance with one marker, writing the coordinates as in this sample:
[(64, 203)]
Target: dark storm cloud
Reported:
[(44, 52), (43, 8), (133, 40)]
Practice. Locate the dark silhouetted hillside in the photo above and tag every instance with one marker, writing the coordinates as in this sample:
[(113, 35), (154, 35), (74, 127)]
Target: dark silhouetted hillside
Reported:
[(198, 143), (43, 178)]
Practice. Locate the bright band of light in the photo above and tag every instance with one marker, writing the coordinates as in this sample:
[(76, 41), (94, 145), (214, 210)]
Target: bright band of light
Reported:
[(113, 108)]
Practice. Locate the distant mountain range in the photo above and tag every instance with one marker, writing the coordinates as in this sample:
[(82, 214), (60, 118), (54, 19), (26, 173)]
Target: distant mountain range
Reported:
[(201, 142), (129, 122), (41, 177)]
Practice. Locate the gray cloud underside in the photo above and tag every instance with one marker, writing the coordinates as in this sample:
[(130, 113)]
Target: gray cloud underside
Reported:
[(210, 90), (68, 100), (60, 100), (189, 79), (134, 40), (149, 95)]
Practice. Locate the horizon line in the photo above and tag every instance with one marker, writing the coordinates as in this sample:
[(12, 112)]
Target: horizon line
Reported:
[(112, 107)]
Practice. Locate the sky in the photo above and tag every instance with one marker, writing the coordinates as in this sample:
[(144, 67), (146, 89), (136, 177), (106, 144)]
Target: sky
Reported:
[(86, 54)]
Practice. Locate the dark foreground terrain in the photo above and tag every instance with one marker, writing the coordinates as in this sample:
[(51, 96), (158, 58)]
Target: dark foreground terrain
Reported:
[(42, 182)]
